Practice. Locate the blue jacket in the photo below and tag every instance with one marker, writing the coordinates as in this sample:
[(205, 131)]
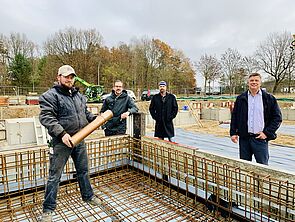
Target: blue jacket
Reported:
[(272, 116), (63, 112)]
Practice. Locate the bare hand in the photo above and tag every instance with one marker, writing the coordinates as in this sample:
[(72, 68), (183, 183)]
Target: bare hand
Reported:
[(235, 138), (66, 139), (125, 115), (261, 136)]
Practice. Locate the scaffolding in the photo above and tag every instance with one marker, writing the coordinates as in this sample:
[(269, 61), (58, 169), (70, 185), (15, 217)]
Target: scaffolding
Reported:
[(144, 180)]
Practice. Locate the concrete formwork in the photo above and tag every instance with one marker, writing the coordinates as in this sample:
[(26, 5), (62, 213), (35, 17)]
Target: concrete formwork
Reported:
[(149, 180)]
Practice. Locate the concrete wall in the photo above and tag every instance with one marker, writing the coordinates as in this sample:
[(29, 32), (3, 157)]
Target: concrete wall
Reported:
[(219, 114), (183, 118)]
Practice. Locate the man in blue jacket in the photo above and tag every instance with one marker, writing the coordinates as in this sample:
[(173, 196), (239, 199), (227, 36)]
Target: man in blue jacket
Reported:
[(255, 119), (64, 113), (122, 106)]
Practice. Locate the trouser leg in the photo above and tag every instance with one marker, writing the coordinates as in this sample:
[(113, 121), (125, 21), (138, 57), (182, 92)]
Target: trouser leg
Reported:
[(57, 163), (245, 149), (80, 158)]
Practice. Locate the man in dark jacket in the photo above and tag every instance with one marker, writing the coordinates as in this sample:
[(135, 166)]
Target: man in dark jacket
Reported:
[(163, 109), (255, 118), (122, 106), (64, 113)]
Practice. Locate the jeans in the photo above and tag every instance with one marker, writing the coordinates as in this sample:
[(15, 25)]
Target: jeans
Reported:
[(258, 147), (58, 160)]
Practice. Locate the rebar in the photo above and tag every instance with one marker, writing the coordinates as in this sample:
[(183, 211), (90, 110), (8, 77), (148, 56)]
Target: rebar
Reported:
[(142, 180)]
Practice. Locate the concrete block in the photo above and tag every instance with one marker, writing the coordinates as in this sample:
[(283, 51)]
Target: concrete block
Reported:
[(285, 114), (20, 131), (2, 134), (291, 114)]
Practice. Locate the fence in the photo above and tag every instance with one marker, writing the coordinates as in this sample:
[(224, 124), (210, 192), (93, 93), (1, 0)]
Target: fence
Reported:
[(16, 91)]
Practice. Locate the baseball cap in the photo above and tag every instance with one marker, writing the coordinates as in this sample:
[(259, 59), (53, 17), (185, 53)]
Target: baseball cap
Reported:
[(162, 83), (66, 70)]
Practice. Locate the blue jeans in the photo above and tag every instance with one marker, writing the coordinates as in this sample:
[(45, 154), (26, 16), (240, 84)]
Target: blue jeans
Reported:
[(58, 160), (258, 147)]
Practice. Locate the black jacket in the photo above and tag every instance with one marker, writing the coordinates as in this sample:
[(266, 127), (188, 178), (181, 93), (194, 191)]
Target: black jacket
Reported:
[(63, 112), (118, 105), (164, 112), (272, 116)]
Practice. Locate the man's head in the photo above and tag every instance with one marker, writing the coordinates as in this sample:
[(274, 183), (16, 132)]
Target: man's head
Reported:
[(162, 87), (66, 75), (254, 82), (118, 87)]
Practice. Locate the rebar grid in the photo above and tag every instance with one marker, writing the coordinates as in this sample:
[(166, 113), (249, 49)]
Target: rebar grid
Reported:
[(229, 190), (144, 181)]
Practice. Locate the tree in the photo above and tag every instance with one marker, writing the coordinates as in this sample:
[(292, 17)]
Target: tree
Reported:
[(276, 58), (250, 65), (231, 62), (79, 48), (20, 70), (210, 68)]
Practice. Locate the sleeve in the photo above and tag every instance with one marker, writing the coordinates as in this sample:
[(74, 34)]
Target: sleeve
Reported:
[(275, 120), (174, 107), (89, 115), (132, 108), (48, 115), (104, 106), (152, 109), (233, 122)]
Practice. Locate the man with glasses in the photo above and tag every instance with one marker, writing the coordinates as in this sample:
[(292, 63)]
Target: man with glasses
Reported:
[(122, 106)]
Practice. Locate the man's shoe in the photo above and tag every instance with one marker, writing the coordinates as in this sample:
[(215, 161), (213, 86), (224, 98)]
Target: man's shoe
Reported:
[(95, 202), (46, 216)]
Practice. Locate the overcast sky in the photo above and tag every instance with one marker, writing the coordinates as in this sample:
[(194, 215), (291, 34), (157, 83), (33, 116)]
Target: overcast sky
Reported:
[(193, 26)]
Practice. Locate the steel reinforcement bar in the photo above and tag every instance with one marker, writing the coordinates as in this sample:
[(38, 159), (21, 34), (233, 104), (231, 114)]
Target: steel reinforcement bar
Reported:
[(146, 180)]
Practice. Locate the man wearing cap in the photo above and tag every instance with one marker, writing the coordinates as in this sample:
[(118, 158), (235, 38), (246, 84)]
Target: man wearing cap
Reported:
[(163, 109), (64, 113)]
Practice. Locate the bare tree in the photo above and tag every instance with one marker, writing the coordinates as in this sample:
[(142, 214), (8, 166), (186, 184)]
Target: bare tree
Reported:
[(76, 47), (250, 65), (231, 62), (276, 57), (19, 44), (210, 68)]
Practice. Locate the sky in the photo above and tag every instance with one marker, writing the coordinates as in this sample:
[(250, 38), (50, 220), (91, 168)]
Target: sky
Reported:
[(195, 27)]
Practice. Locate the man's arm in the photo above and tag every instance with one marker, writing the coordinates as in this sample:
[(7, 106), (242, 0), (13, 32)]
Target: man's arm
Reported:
[(152, 109), (48, 115), (275, 120), (233, 123), (174, 107)]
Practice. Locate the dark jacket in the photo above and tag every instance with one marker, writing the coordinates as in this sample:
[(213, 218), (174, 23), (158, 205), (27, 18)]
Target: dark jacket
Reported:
[(272, 116), (164, 112), (118, 105), (63, 112)]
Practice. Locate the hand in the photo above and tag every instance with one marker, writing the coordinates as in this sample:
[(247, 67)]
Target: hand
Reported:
[(261, 136), (125, 115), (66, 139), (234, 138)]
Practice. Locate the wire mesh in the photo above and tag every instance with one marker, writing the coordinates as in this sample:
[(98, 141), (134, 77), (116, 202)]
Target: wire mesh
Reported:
[(144, 181)]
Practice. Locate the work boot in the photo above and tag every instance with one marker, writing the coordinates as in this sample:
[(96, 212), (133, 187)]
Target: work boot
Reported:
[(46, 216), (95, 202)]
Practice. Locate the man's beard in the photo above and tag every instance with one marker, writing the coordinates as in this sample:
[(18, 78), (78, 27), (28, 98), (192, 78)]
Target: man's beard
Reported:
[(66, 86)]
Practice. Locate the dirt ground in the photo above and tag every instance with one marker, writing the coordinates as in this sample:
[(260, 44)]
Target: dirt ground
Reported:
[(212, 127)]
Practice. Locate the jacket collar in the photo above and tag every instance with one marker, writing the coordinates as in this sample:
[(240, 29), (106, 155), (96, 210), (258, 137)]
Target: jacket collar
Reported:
[(65, 91)]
